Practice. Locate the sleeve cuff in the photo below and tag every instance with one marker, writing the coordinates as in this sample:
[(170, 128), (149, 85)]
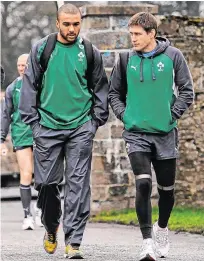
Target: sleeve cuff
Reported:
[(174, 117)]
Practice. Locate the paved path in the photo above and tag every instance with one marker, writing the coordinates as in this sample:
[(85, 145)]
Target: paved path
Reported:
[(102, 242)]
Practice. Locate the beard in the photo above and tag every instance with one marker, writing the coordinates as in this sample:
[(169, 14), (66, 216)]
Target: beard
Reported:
[(66, 37)]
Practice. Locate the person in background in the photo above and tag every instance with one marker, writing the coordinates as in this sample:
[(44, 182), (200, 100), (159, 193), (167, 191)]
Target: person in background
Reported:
[(22, 140), (149, 97)]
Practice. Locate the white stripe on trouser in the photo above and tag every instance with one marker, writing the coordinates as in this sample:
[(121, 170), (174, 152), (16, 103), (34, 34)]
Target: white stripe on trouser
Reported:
[(143, 176), (165, 188)]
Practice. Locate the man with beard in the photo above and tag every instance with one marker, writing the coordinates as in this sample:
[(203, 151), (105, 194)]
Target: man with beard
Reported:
[(64, 105)]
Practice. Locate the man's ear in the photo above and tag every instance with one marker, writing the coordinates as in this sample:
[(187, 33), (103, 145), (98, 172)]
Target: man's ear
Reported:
[(57, 24), (154, 32)]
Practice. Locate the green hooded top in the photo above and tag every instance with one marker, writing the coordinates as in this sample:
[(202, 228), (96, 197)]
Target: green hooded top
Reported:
[(158, 89)]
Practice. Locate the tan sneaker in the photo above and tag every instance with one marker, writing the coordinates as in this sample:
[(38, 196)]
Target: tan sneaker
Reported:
[(73, 252)]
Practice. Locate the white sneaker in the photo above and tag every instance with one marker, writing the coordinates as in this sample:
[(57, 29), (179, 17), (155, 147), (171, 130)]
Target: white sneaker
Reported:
[(38, 214), (161, 240), (28, 223), (147, 252)]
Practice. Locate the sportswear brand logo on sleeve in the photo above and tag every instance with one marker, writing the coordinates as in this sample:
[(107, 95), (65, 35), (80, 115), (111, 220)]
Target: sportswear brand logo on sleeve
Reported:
[(160, 65)]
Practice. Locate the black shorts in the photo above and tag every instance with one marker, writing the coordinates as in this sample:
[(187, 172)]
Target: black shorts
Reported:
[(22, 147), (161, 146)]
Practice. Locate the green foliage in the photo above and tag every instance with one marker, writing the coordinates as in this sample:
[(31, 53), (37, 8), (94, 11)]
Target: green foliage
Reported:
[(182, 218)]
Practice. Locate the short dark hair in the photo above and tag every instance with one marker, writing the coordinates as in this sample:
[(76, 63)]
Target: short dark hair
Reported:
[(68, 9), (144, 19)]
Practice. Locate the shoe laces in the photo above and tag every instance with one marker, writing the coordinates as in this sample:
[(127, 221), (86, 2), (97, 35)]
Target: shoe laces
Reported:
[(28, 219), (51, 237), (162, 237)]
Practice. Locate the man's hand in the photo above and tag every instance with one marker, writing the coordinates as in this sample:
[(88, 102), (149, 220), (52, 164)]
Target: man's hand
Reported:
[(3, 149)]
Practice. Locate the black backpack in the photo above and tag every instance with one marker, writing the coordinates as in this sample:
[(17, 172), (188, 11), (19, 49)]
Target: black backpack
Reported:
[(50, 46), (124, 57)]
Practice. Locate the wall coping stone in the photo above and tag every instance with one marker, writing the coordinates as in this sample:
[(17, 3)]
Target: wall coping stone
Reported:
[(189, 19), (117, 10)]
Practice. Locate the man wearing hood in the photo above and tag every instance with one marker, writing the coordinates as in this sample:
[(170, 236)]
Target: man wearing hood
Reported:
[(149, 93)]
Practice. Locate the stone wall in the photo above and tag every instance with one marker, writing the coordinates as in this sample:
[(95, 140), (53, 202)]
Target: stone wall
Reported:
[(113, 185), (187, 34)]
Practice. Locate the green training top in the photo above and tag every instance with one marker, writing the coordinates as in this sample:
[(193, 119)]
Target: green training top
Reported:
[(65, 100), (149, 101)]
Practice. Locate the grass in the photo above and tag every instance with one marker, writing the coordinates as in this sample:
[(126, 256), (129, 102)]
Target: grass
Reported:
[(182, 218)]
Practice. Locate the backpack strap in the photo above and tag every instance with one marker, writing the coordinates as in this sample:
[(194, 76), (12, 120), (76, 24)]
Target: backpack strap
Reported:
[(49, 47), (90, 62), (123, 67)]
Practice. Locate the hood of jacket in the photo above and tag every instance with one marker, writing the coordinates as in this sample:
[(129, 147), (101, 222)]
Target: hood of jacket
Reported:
[(162, 44)]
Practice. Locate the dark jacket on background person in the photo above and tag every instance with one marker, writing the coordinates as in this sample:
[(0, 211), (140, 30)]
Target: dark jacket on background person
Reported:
[(21, 134)]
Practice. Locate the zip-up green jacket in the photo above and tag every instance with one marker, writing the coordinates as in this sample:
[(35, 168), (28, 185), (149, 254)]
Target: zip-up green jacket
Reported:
[(62, 100), (21, 134), (159, 90)]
